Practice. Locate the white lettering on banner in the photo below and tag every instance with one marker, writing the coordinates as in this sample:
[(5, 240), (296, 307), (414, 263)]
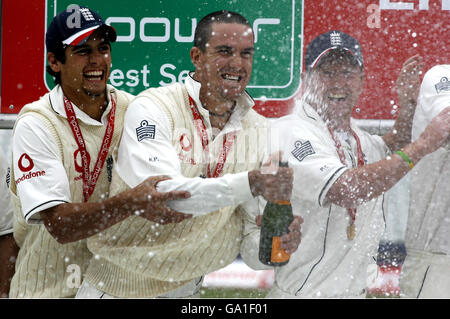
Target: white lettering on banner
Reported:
[(181, 76), (408, 5), (163, 38), (133, 78), (180, 38), (117, 77), (261, 21), (167, 28), (130, 21), (374, 19)]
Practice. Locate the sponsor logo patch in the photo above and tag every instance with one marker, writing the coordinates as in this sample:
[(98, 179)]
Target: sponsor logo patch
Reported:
[(26, 164), (443, 85), (185, 143), (145, 131), (302, 150)]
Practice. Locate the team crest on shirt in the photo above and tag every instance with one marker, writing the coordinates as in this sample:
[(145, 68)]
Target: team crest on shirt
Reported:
[(145, 131), (443, 85), (302, 149)]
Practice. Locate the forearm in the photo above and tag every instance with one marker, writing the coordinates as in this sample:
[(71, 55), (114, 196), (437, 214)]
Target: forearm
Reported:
[(71, 222), (400, 134), (210, 194), (8, 255), (361, 184)]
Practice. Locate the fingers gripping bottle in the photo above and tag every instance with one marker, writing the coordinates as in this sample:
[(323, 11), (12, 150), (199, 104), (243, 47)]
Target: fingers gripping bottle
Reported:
[(277, 217)]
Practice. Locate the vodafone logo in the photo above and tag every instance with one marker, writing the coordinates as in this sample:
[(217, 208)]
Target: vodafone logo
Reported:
[(185, 143), (25, 163), (78, 161)]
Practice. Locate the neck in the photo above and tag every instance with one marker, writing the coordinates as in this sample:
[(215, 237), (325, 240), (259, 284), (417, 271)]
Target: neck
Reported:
[(333, 122), (339, 126), (219, 110), (92, 105)]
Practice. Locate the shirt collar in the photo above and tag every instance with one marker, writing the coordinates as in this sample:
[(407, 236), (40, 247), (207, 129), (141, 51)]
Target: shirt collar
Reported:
[(303, 109), (243, 104), (57, 103)]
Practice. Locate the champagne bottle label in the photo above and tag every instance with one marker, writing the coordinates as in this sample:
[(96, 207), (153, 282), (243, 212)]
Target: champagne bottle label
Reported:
[(278, 255)]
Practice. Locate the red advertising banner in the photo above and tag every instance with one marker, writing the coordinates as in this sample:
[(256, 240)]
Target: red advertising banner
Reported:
[(389, 31)]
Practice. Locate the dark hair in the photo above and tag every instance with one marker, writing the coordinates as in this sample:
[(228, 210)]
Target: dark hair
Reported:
[(60, 55), (203, 29)]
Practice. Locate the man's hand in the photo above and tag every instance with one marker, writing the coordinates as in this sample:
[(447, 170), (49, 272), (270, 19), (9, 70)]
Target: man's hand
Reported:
[(272, 182), (408, 86), (408, 81), (290, 241), (150, 204)]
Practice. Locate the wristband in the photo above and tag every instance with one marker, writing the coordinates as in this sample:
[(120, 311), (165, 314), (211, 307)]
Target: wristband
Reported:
[(406, 158)]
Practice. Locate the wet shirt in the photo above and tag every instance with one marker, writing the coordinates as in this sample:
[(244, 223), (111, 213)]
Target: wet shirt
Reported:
[(327, 263), (141, 156), (6, 211), (40, 175), (429, 216)]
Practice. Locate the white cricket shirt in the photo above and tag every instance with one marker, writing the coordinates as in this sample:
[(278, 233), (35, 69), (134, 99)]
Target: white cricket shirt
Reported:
[(429, 216), (39, 171), (6, 210), (327, 263), (138, 160)]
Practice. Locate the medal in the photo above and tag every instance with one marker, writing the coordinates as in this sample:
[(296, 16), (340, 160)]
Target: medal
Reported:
[(351, 229)]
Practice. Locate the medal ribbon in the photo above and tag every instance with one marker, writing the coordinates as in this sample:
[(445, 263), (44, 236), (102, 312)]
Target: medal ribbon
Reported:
[(201, 129), (90, 180), (351, 211)]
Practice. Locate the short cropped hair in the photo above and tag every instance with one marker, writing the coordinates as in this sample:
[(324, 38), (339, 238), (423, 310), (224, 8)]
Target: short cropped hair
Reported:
[(60, 55), (203, 29)]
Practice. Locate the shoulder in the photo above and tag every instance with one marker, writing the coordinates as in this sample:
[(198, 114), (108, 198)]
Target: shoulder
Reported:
[(254, 119), (168, 90), (300, 127)]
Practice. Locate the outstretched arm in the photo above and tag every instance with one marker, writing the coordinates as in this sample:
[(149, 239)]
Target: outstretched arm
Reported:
[(408, 84), (364, 183), (71, 222)]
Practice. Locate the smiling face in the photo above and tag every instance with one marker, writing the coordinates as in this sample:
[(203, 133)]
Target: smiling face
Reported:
[(86, 69), (224, 68), (333, 88)]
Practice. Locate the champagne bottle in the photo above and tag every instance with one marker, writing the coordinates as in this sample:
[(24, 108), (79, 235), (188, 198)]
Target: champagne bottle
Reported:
[(277, 217)]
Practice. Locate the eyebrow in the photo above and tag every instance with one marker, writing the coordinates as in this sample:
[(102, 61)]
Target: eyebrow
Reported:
[(219, 47), (85, 46)]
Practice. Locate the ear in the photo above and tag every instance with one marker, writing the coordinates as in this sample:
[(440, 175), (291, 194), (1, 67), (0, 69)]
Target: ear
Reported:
[(196, 54), (54, 64)]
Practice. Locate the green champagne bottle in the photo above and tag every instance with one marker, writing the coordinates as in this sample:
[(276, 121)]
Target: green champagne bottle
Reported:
[(276, 219)]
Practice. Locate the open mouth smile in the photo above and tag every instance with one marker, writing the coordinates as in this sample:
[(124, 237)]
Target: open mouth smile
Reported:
[(231, 77), (94, 75), (337, 97)]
